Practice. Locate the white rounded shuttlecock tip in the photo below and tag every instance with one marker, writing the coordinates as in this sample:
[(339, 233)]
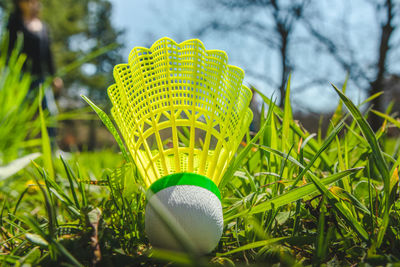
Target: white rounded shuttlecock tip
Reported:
[(184, 218)]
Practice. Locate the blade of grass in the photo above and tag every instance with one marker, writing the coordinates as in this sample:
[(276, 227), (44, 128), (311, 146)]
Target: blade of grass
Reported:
[(37, 240), (50, 207), (369, 99), (31, 257), (239, 159), (171, 256), (320, 239), (394, 180), (296, 128), (345, 183), (348, 197), (17, 165), (81, 186), (378, 159), (287, 118), (323, 147), (387, 117), (46, 148), (174, 228), (339, 109), (286, 138), (367, 132), (38, 230), (344, 212), (293, 195), (110, 126), (57, 191), (70, 174), (279, 240)]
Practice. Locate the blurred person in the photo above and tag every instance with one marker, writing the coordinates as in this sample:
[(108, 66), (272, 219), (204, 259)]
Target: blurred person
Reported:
[(36, 45)]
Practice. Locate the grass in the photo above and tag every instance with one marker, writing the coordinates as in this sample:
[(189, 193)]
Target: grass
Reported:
[(289, 196)]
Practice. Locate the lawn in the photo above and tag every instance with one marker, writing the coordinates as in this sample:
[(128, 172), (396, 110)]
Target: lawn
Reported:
[(288, 196)]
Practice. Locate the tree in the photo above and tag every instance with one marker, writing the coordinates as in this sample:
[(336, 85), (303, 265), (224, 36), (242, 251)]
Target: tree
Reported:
[(80, 27), (360, 71), (270, 22), (387, 29)]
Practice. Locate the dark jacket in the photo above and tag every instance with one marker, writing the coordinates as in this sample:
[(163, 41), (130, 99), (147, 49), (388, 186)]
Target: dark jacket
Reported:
[(36, 45)]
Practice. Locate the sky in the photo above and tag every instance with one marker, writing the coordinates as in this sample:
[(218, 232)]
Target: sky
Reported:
[(145, 22), (354, 25)]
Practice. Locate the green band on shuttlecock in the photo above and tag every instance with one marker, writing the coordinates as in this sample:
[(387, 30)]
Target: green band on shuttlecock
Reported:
[(185, 178)]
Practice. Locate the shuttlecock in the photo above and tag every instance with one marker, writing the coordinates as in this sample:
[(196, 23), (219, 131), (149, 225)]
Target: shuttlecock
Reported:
[(182, 111)]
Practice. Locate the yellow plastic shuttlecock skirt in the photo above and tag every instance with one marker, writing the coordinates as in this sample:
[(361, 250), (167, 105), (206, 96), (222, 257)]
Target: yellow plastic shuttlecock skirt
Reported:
[(180, 108), (182, 111)]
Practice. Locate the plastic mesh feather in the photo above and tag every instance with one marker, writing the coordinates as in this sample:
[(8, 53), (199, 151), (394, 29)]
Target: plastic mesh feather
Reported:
[(180, 108)]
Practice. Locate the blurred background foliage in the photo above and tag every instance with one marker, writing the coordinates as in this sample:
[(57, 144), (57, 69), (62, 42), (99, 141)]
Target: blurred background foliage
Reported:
[(79, 28)]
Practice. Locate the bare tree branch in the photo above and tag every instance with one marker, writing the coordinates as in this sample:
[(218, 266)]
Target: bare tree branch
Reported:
[(352, 67), (305, 86), (262, 76), (377, 84), (277, 37)]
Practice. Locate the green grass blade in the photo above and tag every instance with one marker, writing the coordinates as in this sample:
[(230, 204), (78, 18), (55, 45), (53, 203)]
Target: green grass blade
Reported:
[(286, 137), (394, 181), (294, 194), (57, 191), (48, 238), (46, 148), (37, 240), (337, 115), (342, 165), (367, 132), (348, 197), (301, 192), (70, 174), (81, 186), (17, 165), (387, 117), (296, 128), (50, 207), (278, 240), (239, 159), (171, 256), (369, 99), (378, 159), (110, 126), (320, 240), (287, 118), (344, 212), (66, 253), (323, 147)]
